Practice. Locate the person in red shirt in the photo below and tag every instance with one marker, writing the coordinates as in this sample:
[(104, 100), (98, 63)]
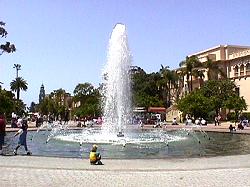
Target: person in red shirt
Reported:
[(2, 132)]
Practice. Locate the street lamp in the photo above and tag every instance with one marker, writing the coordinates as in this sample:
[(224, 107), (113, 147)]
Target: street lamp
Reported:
[(18, 67)]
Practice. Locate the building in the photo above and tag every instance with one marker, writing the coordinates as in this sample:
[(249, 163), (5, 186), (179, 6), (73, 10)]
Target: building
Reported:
[(62, 98), (41, 94), (234, 60)]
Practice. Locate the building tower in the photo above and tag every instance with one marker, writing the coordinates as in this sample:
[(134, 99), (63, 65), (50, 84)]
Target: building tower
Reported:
[(42, 94)]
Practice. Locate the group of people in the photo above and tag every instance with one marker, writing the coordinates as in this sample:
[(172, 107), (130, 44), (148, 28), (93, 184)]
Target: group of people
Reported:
[(198, 121), (241, 125), (22, 124)]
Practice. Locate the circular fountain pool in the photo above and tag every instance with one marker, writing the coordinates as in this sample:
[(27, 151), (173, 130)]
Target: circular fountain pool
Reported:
[(139, 144)]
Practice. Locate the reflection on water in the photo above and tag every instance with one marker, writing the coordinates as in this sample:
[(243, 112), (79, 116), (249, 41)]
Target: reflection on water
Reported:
[(184, 146)]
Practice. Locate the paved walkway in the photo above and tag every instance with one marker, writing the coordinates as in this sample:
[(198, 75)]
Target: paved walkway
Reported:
[(48, 171)]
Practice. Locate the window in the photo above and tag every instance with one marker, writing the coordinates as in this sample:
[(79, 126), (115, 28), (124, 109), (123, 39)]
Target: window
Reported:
[(242, 70), (236, 71), (248, 69), (237, 90)]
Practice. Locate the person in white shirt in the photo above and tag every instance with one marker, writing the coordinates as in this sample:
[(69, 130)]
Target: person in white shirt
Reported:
[(174, 122), (203, 122)]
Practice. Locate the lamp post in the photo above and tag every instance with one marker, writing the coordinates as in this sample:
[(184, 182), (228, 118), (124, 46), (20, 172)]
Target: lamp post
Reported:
[(18, 67)]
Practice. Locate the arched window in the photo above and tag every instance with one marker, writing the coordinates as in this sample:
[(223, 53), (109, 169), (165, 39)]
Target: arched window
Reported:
[(236, 71), (248, 69), (242, 70)]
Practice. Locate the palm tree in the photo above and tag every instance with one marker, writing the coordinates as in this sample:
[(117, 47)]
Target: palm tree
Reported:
[(188, 67), (18, 84), (198, 73), (213, 70), (170, 79)]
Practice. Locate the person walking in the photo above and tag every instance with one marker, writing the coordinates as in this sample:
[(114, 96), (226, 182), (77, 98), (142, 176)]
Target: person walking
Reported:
[(22, 132), (2, 132)]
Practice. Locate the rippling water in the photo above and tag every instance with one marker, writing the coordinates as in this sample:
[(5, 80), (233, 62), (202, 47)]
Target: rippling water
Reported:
[(163, 144)]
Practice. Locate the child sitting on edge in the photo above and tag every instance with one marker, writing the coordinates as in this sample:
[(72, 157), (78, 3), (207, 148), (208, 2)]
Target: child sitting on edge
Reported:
[(94, 156)]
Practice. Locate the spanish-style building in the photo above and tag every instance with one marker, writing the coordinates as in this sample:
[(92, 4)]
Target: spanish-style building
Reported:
[(234, 60)]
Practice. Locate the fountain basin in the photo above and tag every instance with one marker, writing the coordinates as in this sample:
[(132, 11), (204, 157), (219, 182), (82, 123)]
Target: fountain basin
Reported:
[(146, 144)]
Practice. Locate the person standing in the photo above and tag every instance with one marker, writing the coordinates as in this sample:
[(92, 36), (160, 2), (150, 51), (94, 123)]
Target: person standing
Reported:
[(2, 132), (22, 132), (141, 123), (13, 120), (218, 120), (215, 120)]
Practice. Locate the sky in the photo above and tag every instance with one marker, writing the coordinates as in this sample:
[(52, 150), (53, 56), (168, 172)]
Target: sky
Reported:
[(61, 43)]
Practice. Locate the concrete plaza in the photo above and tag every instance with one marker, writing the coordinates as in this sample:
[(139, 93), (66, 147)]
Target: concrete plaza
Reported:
[(51, 171)]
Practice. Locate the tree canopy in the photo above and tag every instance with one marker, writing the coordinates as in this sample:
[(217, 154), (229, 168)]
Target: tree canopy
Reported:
[(89, 99), (146, 89), (18, 84), (7, 103), (213, 96), (7, 47)]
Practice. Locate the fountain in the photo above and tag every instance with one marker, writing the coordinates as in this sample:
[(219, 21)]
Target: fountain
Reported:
[(117, 110), (116, 129), (117, 100)]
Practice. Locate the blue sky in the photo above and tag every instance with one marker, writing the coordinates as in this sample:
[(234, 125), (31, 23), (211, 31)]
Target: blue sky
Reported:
[(61, 43)]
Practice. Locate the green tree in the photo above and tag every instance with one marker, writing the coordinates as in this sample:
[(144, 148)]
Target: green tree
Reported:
[(89, 99), (237, 104), (7, 47), (169, 83), (212, 97), (146, 89), (82, 91), (7, 103), (20, 107), (219, 91), (51, 105), (55, 104), (18, 84), (195, 104)]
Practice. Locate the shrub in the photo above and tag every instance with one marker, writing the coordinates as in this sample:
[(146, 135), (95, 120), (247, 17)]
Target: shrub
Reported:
[(231, 116), (245, 115)]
